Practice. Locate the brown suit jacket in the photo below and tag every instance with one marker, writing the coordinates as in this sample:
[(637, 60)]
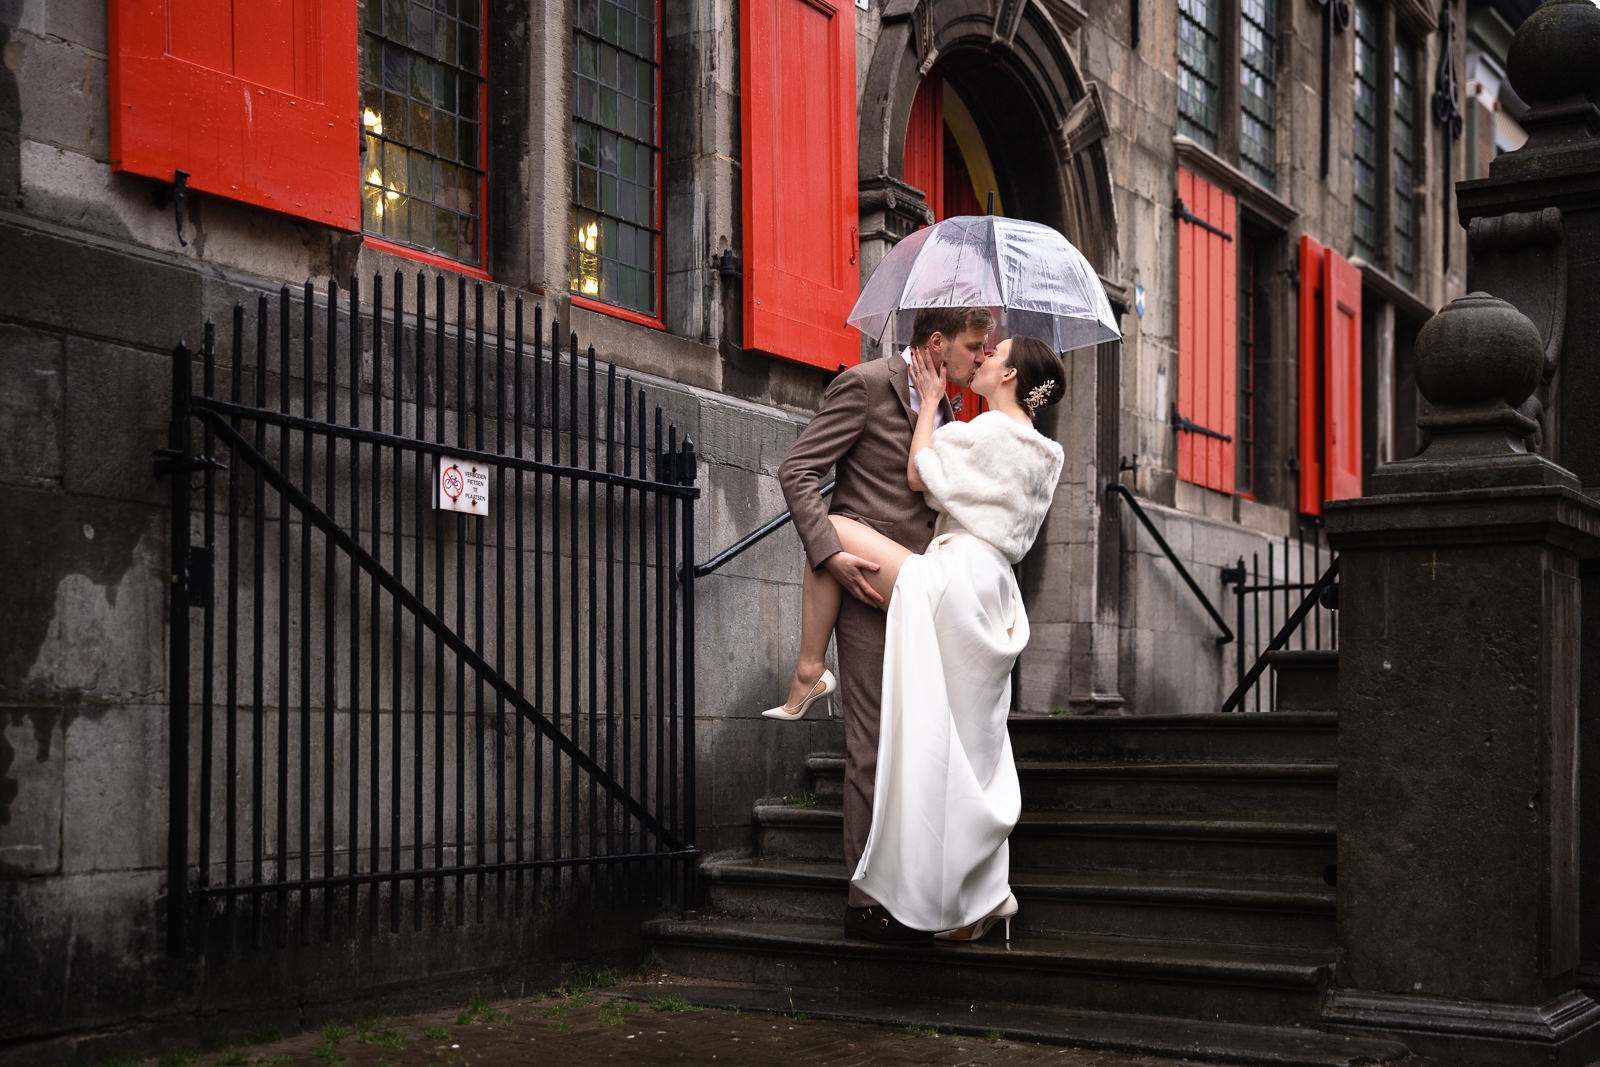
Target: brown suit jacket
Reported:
[(863, 431)]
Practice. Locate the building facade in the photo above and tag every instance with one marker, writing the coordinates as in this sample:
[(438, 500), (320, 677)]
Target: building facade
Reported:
[(696, 191)]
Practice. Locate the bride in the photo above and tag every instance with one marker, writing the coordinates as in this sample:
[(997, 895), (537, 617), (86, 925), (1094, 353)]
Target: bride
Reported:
[(946, 796)]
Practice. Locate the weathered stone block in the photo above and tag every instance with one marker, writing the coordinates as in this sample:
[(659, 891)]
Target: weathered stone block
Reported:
[(114, 788), (118, 404), (82, 22), (30, 791), (54, 86), (89, 289), (88, 620), (31, 407)]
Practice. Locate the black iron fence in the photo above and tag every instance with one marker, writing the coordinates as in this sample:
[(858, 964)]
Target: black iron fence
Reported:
[(1290, 603), (388, 712)]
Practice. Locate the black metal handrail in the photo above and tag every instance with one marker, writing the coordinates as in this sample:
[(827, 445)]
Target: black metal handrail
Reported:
[(749, 540), (1166, 549), (1281, 638)]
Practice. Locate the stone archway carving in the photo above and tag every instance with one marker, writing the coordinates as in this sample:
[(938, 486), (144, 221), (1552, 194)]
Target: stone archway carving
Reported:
[(1031, 40), (1027, 45)]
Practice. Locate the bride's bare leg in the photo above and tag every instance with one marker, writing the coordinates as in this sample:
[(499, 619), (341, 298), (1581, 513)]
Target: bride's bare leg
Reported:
[(820, 596), (819, 609), (861, 540)]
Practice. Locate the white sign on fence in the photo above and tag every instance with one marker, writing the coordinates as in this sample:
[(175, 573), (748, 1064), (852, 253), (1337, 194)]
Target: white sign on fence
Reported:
[(462, 485)]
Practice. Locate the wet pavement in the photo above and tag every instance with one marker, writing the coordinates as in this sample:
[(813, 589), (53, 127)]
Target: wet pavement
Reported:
[(644, 1020)]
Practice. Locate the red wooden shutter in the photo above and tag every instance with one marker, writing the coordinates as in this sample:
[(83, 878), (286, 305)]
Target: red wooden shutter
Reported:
[(1311, 363), (800, 212), (255, 99), (1341, 315), (922, 162), (1208, 294)]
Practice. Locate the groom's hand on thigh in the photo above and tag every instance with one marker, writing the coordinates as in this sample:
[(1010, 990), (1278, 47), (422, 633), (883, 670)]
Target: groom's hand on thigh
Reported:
[(849, 572)]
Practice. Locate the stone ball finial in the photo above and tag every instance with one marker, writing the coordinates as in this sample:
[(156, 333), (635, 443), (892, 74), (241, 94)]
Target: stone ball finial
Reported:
[(1553, 55), (1478, 350)]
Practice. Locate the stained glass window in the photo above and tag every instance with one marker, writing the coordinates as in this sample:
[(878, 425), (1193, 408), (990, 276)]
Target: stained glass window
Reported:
[(422, 92), (616, 153), (1199, 23), (1365, 153), (1405, 161), (1258, 89)]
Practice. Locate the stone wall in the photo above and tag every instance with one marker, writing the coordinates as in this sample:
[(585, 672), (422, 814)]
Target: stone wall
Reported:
[(95, 288)]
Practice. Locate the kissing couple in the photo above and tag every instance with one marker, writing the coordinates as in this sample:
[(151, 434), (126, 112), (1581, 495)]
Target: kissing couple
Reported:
[(929, 516)]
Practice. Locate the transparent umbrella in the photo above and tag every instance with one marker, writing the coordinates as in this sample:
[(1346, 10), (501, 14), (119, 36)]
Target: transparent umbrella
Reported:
[(1037, 282)]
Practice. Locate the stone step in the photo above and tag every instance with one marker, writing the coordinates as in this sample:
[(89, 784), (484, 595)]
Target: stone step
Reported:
[(1247, 788), (981, 1016), (1162, 905), (1273, 737), (826, 770), (1264, 790), (787, 831), (1070, 842), (1257, 985), (1200, 844), (1307, 680)]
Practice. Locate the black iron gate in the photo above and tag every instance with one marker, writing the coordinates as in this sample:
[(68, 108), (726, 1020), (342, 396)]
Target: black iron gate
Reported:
[(1293, 604), (383, 712)]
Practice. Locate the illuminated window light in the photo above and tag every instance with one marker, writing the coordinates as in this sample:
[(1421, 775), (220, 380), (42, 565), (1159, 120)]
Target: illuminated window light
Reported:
[(371, 121)]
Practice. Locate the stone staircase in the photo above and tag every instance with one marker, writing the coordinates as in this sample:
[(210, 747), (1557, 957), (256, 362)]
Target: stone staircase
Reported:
[(1173, 869)]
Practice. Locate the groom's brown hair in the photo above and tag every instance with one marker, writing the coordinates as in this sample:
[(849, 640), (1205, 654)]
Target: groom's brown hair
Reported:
[(949, 321)]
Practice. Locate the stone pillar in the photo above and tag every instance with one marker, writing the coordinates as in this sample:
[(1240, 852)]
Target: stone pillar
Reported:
[(1458, 691), (1535, 241), (890, 210)]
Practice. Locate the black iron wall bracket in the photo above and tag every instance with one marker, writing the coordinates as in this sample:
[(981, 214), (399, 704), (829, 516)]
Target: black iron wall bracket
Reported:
[(180, 193), (1182, 424), (1181, 212), (165, 461)]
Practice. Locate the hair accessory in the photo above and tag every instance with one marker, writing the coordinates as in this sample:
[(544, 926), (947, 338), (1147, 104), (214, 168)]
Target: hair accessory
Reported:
[(1037, 396)]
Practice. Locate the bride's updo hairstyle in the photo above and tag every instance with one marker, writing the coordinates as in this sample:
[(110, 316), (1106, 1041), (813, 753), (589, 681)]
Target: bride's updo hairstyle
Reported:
[(1041, 379)]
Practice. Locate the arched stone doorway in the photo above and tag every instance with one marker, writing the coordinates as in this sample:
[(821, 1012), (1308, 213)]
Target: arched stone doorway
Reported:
[(1040, 121), (1041, 127)]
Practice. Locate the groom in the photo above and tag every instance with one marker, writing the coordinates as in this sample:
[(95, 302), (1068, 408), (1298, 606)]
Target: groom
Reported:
[(863, 430)]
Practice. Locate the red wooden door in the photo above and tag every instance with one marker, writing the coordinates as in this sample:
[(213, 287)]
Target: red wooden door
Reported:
[(1311, 363), (255, 99), (1341, 311), (801, 243), (1208, 329)]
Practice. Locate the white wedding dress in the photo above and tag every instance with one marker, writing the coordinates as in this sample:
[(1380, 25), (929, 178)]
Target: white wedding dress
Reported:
[(946, 795)]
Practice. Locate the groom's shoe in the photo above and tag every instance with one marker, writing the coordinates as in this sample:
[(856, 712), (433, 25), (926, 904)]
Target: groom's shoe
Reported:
[(874, 923)]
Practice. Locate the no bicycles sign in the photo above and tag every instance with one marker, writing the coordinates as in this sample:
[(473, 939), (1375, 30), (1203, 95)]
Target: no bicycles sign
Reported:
[(462, 485)]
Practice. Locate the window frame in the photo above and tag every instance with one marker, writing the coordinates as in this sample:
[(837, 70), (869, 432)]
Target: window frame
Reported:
[(1230, 103), (1246, 163), (433, 257), (1216, 34), (1397, 27), (1406, 274), (656, 319), (1369, 195)]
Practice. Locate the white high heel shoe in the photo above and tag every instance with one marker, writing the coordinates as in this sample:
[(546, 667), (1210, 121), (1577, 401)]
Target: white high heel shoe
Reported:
[(822, 689), (974, 931)]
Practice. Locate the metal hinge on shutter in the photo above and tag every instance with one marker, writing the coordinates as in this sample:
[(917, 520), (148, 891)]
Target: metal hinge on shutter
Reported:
[(1186, 425), (1181, 212)]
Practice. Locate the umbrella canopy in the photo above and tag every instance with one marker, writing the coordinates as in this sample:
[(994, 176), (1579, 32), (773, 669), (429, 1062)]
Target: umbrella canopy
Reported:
[(1038, 283)]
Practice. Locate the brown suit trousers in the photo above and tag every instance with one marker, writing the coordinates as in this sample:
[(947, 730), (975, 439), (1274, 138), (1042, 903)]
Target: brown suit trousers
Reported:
[(863, 431)]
